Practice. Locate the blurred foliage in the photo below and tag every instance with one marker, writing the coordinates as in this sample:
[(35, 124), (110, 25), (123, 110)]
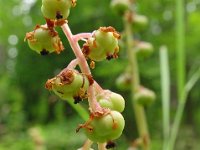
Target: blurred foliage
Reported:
[(25, 102)]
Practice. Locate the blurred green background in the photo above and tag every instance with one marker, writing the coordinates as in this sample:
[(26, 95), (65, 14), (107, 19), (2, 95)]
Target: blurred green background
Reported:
[(29, 112)]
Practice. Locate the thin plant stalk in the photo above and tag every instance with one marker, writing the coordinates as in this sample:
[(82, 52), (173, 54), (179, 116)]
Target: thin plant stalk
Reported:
[(180, 109), (165, 84), (135, 85), (82, 112), (102, 146), (180, 47), (87, 145)]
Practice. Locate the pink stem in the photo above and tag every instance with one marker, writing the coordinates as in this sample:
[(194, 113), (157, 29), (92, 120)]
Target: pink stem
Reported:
[(87, 145), (76, 49), (72, 64), (98, 88), (101, 146), (94, 105), (80, 36)]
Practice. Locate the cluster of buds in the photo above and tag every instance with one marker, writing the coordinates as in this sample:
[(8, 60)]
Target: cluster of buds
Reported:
[(142, 50), (106, 122)]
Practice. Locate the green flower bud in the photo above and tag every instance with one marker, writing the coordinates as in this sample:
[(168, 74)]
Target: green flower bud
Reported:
[(120, 6), (102, 45), (144, 96), (56, 9), (144, 49), (111, 100), (44, 41), (139, 22), (123, 82), (105, 128), (69, 84)]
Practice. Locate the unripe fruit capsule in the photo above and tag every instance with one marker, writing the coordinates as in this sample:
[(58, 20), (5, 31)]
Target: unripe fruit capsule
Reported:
[(69, 84), (123, 82), (120, 6), (105, 128), (111, 100), (44, 41), (102, 45), (56, 9), (144, 49), (139, 22), (144, 96)]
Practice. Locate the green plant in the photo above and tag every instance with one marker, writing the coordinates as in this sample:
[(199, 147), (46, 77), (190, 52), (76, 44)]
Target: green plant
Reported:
[(71, 84), (130, 79)]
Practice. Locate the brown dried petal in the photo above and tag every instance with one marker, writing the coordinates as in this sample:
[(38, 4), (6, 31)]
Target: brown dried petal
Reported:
[(67, 77)]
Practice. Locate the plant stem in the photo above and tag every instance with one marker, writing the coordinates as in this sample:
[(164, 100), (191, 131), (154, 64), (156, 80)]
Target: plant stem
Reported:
[(94, 105), (101, 146), (79, 109), (72, 64), (135, 85), (180, 109), (165, 84), (81, 36), (180, 47), (76, 49), (87, 145)]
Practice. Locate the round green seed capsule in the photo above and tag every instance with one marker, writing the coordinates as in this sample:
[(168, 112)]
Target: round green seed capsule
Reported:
[(102, 45), (139, 22), (69, 84), (111, 100), (44, 41), (105, 128), (144, 96), (123, 82), (120, 6), (56, 9), (144, 49)]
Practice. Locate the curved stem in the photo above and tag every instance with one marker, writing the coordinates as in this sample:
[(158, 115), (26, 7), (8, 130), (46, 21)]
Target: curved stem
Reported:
[(180, 110), (87, 145), (81, 36), (72, 64), (97, 87), (94, 105), (76, 49)]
